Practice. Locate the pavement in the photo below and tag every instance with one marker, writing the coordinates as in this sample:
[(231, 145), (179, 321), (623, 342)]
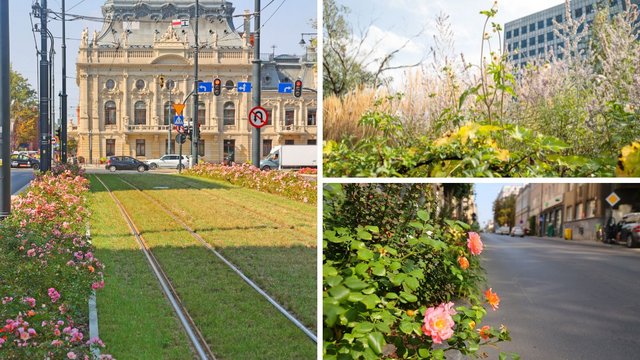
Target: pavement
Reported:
[(564, 299)]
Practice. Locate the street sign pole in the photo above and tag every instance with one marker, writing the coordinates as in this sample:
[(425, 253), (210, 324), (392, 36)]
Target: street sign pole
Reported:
[(194, 138), (63, 100), (5, 104), (170, 125), (45, 156), (256, 78)]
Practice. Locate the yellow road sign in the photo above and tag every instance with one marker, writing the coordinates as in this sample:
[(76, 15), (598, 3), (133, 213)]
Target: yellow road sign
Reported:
[(612, 199), (178, 108)]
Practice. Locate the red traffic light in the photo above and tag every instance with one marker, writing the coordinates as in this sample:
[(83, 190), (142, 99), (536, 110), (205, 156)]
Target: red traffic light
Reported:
[(297, 89), (217, 86)]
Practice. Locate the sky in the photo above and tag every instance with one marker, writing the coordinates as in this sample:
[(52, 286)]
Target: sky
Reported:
[(290, 19), (396, 21), (486, 194)]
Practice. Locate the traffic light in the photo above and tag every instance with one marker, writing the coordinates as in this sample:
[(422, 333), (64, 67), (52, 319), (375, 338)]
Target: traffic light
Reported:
[(161, 78), (58, 133), (297, 89), (217, 86), (188, 131)]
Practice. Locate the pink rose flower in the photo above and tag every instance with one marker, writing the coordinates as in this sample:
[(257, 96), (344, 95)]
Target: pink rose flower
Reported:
[(474, 243), (438, 322), (54, 295), (71, 355)]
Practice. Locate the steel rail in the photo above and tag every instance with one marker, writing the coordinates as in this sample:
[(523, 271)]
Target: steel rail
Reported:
[(195, 336), (250, 282)]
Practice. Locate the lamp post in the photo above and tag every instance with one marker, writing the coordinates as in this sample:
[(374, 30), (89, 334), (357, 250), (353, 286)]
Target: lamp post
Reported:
[(90, 148), (255, 137), (5, 171)]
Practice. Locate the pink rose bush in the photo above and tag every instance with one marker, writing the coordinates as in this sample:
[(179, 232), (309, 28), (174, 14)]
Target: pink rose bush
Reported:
[(438, 322), (51, 270), (283, 183)]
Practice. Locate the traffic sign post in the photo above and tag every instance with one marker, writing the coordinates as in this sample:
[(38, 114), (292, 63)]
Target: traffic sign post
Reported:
[(178, 120), (205, 87), (258, 117), (178, 108), (613, 199)]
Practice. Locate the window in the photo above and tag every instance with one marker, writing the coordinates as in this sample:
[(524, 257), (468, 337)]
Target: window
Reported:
[(200, 147), (591, 208), (532, 41), (523, 29), (559, 19), (523, 43), (169, 113), (578, 12), (614, 2), (111, 147), (229, 85), (229, 113), (289, 142), (202, 113), (229, 149), (508, 35), (289, 117), (516, 32), (549, 36), (173, 148), (311, 142), (266, 146), (516, 57), (540, 24), (540, 50), (589, 9), (311, 117), (579, 212), (110, 113), (549, 21), (509, 47), (140, 84), (569, 213), (110, 84), (532, 27), (140, 147), (140, 114), (540, 38), (532, 52)]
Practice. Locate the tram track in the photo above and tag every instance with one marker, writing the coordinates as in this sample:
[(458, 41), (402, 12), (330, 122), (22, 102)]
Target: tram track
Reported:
[(198, 343), (281, 309)]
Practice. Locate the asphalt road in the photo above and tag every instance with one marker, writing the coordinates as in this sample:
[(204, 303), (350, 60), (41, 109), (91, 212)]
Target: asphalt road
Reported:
[(20, 178), (564, 300)]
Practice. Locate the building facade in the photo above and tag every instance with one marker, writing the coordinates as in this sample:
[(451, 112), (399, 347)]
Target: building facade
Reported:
[(532, 37), (125, 109), (523, 209)]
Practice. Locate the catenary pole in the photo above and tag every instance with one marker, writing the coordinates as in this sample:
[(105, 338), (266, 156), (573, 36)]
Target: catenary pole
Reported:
[(63, 100), (45, 136), (195, 132), (255, 138), (5, 112)]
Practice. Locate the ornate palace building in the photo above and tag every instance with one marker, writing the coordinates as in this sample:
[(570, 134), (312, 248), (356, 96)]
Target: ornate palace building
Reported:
[(125, 110)]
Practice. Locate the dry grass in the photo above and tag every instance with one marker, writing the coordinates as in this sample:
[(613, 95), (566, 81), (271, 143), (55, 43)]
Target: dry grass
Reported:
[(341, 115)]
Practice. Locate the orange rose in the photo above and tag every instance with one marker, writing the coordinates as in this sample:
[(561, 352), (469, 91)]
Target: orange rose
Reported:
[(91, 268), (464, 263), (31, 313), (492, 298), (485, 332)]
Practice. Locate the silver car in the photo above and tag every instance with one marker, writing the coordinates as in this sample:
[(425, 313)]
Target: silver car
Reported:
[(171, 161), (517, 231)]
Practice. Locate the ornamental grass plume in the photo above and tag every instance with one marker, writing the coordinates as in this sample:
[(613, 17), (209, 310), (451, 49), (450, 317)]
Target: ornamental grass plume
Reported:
[(438, 322), (492, 298), (474, 243)]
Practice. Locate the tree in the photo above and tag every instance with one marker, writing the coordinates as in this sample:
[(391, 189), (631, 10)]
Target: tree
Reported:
[(346, 62), (24, 111), (504, 211)]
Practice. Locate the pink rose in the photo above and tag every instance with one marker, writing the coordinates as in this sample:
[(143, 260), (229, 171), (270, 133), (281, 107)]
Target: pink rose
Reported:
[(474, 243), (438, 322)]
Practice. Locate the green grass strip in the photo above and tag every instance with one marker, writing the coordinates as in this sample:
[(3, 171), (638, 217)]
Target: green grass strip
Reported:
[(235, 320), (135, 319)]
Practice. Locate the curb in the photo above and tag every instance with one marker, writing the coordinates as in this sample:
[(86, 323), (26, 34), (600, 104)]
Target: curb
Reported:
[(592, 243), (93, 313)]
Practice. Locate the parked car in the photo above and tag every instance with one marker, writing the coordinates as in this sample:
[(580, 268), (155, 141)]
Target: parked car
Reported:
[(171, 161), (125, 163), (517, 231), (22, 160), (503, 230), (630, 230)]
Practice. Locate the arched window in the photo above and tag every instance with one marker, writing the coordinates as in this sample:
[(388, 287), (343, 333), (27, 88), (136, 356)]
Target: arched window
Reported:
[(202, 113), (229, 85), (229, 115), (169, 113), (140, 114), (110, 113)]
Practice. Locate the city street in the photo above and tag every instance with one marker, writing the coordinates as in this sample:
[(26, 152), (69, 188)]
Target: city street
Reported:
[(564, 300), (20, 178)]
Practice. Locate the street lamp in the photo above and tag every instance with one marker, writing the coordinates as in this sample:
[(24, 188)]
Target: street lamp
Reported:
[(302, 42)]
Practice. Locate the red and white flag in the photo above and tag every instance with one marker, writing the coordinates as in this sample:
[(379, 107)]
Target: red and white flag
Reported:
[(179, 23)]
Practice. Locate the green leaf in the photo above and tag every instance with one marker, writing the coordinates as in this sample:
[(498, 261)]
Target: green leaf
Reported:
[(416, 224), (355, 297), (364, 235), (408, 297), (422, 352), (339, 292), (391, 295), (365, 254), (412, 283), (333, 280), (423, 215), (331, 313), (373, 229), (362, 268), (328, 271), (406, 327), (370, 301), (363, 327), (376, 342), (378, 269), (437, 354), (354, 283)]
